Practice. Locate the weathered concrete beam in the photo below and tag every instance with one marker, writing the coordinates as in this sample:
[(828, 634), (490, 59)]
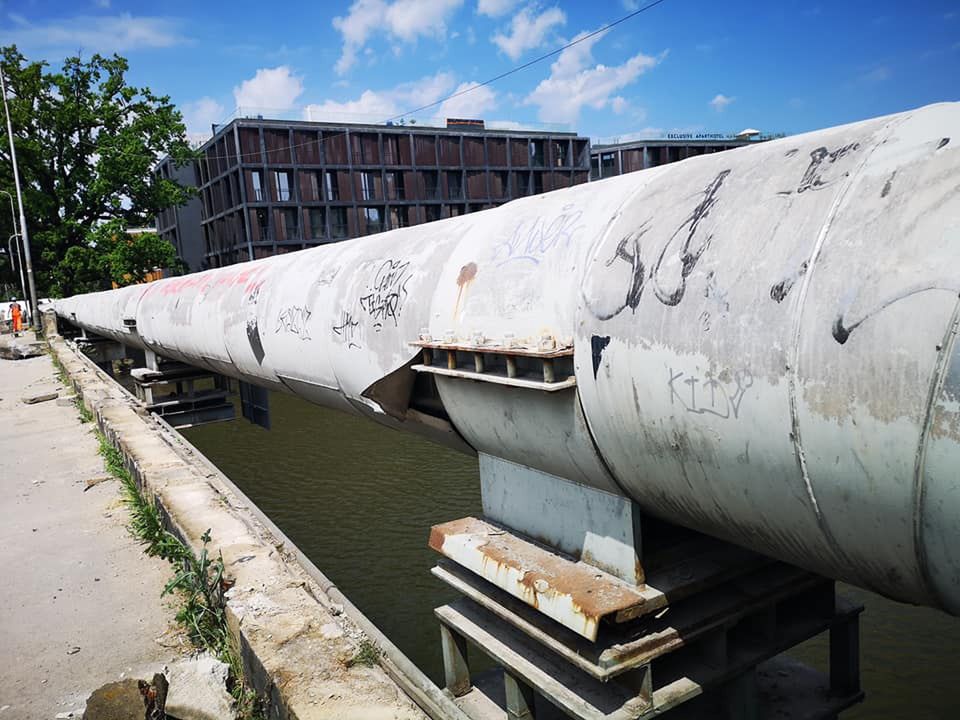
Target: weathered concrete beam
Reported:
[(292, 646)]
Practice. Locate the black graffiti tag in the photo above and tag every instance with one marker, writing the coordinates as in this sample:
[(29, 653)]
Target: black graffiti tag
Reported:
[(293, 320), (689, 254), (347, 329), (715, 397), (387, 292), (813, 176)]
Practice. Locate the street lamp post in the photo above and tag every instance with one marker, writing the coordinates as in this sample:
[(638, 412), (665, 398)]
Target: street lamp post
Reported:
[(16, 234), (10, 246), (25, 238)]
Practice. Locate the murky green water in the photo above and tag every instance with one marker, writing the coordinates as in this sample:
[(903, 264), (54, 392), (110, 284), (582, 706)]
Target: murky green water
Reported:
[(359, 500)]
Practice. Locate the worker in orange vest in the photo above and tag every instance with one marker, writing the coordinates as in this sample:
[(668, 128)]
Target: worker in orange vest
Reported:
[(15, 317)]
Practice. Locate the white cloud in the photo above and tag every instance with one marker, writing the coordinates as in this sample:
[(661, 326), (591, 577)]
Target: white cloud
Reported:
[(269, 89), (495, 8), (473, 103), (647, 133), (403, 20), (618, 104), (102, 3), (528, 30), (104, 34), (876, 75), (720, 102), (575, 81), (199, 115), (379, 105)]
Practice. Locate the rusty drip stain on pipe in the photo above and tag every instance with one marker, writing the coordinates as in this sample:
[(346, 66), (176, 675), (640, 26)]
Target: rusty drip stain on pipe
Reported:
[(467, 273)]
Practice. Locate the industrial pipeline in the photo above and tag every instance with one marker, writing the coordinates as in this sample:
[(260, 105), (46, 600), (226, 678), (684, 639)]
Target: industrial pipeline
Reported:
[(758, 344)]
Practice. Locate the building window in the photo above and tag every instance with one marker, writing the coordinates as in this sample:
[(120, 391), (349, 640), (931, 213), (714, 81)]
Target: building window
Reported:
[(499, 184), (256, 181), (261, 231), (523, 184), (394, 185), (370, 186), (431, 212), (282, 180), (450, 151), (288, 225), (398, 217), (315, 223), (608, 165), (332, 188), (338, 223), (454, 185), (391, 150), (536, 153), (373, 219), (311, 183), (537, 183), (431, 189), (425, 150), (594, 167), (560, 157), (476, 185)]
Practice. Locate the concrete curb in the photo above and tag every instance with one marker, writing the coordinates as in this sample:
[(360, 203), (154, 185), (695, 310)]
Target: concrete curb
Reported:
[(292, 638)]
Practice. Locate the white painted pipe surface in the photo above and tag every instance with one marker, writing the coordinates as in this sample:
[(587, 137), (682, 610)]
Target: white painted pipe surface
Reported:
[(764, 340)]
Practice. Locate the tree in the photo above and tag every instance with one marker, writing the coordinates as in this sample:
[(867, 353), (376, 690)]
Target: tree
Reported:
[(86, 144), (112, 254)]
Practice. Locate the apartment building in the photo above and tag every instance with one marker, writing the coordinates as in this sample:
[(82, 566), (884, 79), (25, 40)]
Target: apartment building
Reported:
[(616, 158), (273, 186)]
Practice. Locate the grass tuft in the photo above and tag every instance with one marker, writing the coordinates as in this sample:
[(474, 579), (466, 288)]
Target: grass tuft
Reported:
[(368, 654), (85, 415), (200, 583)]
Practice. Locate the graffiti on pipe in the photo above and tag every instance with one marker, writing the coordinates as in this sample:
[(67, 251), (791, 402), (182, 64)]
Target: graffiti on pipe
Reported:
[(843, 325), (821, 157), (253, 329), (719, 395), (532, 241), (387, 293), (669, 291), (693, 245), (293, 321), (347, 330)]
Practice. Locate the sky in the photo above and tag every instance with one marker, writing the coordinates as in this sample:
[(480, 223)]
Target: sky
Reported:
[(681, 66)]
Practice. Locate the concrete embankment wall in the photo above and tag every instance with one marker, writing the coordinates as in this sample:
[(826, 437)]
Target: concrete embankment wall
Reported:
[(293, 634)]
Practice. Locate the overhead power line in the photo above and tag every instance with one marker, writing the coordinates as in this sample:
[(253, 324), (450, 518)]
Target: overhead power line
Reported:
[(649, 6), (529, 63)]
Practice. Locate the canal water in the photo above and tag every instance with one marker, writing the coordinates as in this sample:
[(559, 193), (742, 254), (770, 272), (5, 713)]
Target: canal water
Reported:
[(359, 500)]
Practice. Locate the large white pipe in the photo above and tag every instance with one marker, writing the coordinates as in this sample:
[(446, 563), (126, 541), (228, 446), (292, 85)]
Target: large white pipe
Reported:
[(764, 340)]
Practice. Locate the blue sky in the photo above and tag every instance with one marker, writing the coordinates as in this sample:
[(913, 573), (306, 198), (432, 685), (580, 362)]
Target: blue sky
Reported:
[(683, 65)]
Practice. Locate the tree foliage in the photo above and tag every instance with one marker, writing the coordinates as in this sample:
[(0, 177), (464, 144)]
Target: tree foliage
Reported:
[(86, 143), (112, 254)]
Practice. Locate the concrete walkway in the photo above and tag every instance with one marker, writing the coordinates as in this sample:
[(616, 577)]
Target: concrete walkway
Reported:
[(79, 601)]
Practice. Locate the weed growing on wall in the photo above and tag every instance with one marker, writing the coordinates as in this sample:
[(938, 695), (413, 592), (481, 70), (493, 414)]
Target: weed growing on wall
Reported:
[(85, 415), (368, 654), (61, 370), (199, 580)]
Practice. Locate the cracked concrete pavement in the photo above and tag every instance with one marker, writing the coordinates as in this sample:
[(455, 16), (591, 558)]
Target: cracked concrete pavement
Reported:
[(80, 602)]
